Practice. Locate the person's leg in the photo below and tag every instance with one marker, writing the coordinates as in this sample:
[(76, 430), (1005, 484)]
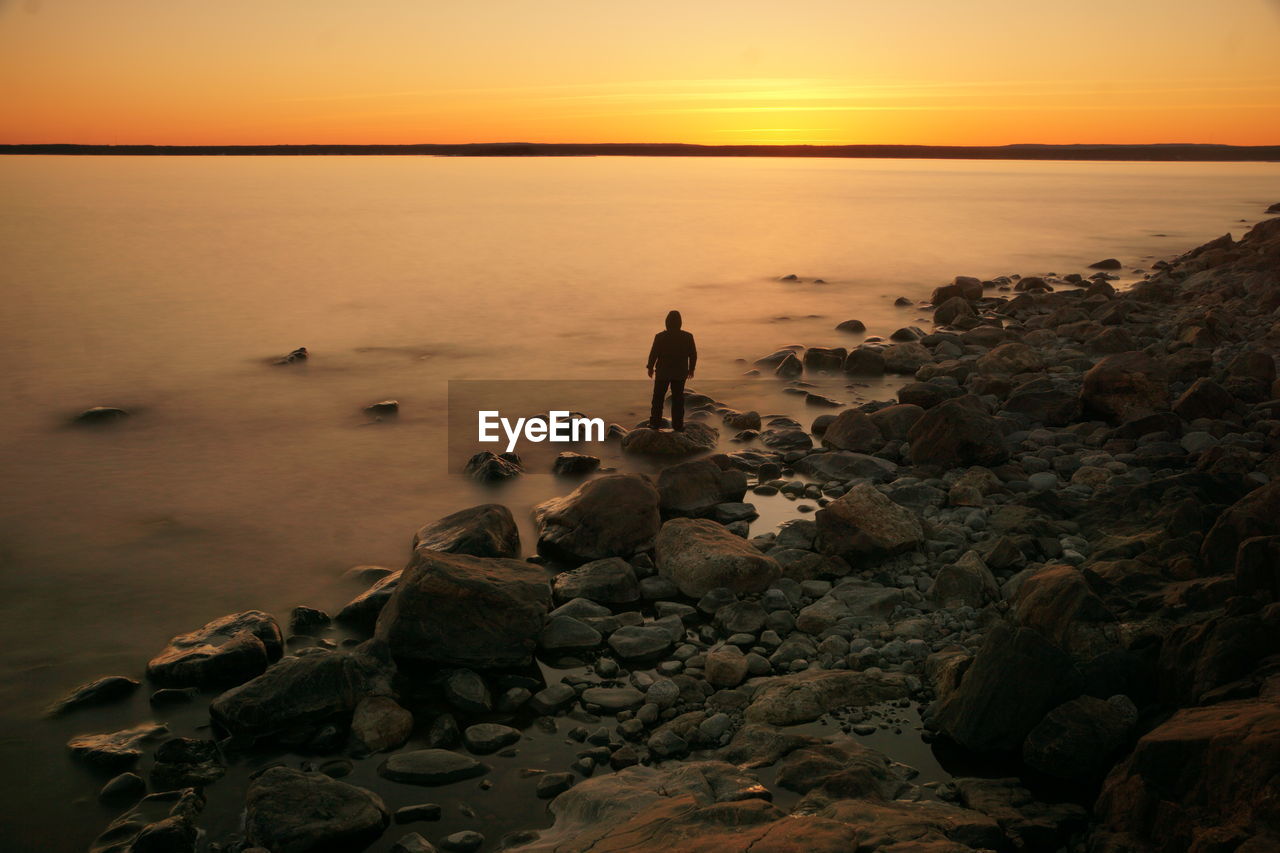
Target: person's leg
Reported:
[(677, 404), (655, 408)]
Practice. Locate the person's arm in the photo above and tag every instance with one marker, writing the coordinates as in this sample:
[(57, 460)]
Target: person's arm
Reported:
[(653, 356), (693, 355)]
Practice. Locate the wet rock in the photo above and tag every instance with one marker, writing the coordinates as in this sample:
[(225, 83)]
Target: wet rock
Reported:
[(383, 409), (611, 516), (613, 699), (228, 650), (100, 691), (725, 667), (1125, 386), (957, 434), (700, 555), (116, 749), (800, 698), (489, 467), (293, 357), (895, 422), (100, 415), (964, 286), (846, 465), (466, 841), (158, 823), (458, 610), (1043, 402), (1009, 360), (413, 842), (853, 430), (789, 367), (696, 437), (125, 788), (431, 767), (1105, 264), (640, 642), (864, 522), (379, 724), (183, 762), (487, 530), (966, 582), (305, 620), (553, 698), (570, 464), (1079, 739), (906, 358), (955, 308), (362, 611), (852, 326), (552, 785), (608, 581), (695, 488), (484, 738), (865, 361), (742, 420), (288, 811), (304, 691), (466, 691), (564, 634)]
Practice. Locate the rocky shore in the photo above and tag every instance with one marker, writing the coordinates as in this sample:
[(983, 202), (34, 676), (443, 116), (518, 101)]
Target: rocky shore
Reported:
[(1056, 554)]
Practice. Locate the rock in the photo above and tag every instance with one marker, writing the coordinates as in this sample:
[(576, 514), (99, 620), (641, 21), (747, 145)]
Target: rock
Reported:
[(953, 309), (431, 767), (293, 357), (895, 422), (956, 434), (411, 843), (458, 610), (608, 581), (725, 667), (487, 530), (846, 465), (742, 420), (1043, 402), (695, 438), (695, 488), (1009, 360), (288, 811), (854, 326), (306, 620), (926, 395), (613, 699), (824, 359), (552, 785), (117, 749), (379, 724), (306, 691), (1124, 386), (863, 522), (1014, 680), (853, 430), (158, 823), (123, 789), (183, 762), (786, 439), (228, 650), (966, 582), (700, 555), (484, 738), (1079, 740), (383, 409), (864, 361), (906, 358), (551, 699), (488, 467), (1256, 514), (800, 698), (964, 286), (362, 611), (789, 367), (1202, 780), (97, 692), (566, 634), (570, 464), (466, 841), (100, 415), (1106, 264), (465, 690), (611, 516), (640, 642)]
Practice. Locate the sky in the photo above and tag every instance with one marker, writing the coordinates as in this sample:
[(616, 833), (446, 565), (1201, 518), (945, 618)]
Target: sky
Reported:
[(935, 72)]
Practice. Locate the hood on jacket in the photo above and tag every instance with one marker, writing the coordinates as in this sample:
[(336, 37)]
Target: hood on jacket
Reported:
[(673, 320)]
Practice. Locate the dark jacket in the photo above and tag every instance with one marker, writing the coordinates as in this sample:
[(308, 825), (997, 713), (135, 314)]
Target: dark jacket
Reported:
[(673, 354)]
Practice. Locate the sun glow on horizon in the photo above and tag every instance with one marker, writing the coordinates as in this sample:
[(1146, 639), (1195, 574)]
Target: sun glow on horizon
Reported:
[(989, 72)]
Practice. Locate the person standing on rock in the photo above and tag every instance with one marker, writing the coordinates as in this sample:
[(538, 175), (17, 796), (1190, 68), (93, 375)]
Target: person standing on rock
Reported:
[(672, 359)]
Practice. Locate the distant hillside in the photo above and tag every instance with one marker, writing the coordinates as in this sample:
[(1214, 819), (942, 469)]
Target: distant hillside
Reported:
[(1176, 151)]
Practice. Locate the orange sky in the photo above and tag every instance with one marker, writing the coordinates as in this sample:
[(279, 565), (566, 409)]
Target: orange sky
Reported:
[(976, 72)]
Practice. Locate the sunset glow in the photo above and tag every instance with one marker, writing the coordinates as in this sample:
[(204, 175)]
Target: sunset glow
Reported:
[(819, 71)]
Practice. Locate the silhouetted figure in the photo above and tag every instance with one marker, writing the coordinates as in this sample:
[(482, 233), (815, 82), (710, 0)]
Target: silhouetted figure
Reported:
[(672, 359)]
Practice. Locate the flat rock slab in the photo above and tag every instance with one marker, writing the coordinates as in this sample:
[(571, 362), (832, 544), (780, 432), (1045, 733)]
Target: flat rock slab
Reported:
[(97, 692), (483, 738), (696, 438), (431, 767), (116, 749), (613, 699)]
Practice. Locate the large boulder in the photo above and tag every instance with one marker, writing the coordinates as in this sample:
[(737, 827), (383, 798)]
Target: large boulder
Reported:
[(288, 811), (864, 522), (487, 530), (698, 556), (955, 434), (1125, 386), (1059, 604), (955, 308), (805, 696), (226, 651), (1205, 779), (1079, 740), (458, 610), (612, 516), (694, 438), (895, 422), (694, 488), (1256, 514), (1014, 680), (301, 692)]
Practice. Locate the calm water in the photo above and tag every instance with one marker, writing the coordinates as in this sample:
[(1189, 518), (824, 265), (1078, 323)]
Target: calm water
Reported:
[(164, 285)]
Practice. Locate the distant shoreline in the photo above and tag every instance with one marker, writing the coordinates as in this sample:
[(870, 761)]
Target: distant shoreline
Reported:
[(1172, 152)]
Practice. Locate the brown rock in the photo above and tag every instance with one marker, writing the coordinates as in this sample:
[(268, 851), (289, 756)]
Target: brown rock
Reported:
[(1125, 386), (865, 522), (957, 434)]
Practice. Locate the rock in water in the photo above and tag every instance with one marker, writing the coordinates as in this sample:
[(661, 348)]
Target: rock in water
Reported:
[(300, 354), (306, 691), (700, 555), (383, 409), (695, 438), (853, 430), (570, 464), (363, 610), (226, 651), (611, 516), (487, 530), (694, 488), (116, 750), (488, 467), (380, 724), (159, 823), (458, 610), (1125, 386), (288, 811), (431, 767), (956, 433), (98, 415), (864, 522), (1105, 264), (97, 692)]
